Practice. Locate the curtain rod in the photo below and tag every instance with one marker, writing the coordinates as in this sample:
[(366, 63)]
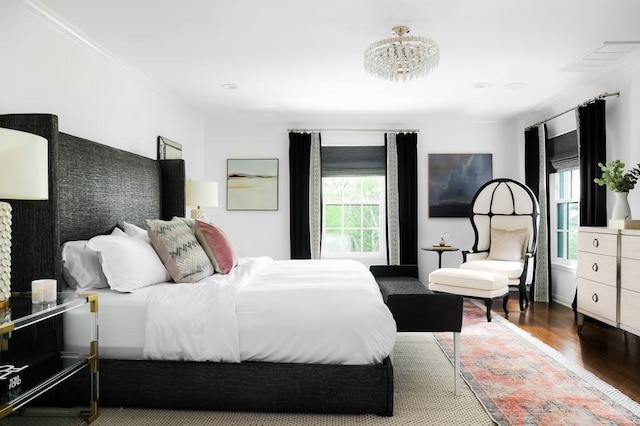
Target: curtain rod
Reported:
[(597, 98), (354, 130)]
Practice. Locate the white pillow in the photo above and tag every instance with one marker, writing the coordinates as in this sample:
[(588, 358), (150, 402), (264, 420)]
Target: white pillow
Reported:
[(81, 267), (135, 231), (507, 245), (117, 232), (128, 264)]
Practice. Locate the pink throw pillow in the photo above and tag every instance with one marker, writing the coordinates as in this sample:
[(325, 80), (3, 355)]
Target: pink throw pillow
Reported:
[(217, 246)]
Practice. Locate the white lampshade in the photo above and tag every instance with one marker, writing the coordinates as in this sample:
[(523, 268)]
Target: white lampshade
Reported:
[(24, 175), (24, 166), (201, 193)]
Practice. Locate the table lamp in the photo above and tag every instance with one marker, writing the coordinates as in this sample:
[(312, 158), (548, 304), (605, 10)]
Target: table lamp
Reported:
[(24, 175), (200, 193)]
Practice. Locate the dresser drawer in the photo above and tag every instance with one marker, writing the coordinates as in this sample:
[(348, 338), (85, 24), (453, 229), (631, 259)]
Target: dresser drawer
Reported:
[(630, 274), (595, 299), (598, 243), (597, 267), (631, 247), (630, 309)]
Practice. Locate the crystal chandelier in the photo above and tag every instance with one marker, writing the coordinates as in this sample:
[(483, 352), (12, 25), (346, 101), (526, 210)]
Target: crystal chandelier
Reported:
[(401, 58)]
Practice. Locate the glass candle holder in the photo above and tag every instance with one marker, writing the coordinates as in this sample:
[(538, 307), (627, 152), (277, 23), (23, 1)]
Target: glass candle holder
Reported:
[(43, 291)]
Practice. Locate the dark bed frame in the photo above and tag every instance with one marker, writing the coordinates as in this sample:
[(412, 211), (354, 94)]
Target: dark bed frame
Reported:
[(92, 187)]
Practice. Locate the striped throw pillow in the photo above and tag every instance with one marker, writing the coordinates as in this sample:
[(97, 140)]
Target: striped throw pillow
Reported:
[(179, 250)]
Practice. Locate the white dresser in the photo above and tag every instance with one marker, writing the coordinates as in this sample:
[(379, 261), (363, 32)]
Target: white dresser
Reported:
[(609, 277), (630, 281)]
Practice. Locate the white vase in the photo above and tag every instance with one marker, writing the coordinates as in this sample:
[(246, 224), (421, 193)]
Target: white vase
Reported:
[(621, 210)]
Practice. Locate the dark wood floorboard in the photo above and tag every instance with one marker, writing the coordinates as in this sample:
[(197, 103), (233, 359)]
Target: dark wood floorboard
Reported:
[(610, 353)]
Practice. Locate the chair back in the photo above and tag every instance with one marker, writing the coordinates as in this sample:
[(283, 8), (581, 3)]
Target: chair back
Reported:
[(508, 205)]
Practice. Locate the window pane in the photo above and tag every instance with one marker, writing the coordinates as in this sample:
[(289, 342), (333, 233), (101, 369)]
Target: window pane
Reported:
[(333, 216), (371, 241), (335, 242), (574, 216), (352, 216), (372, 188), (562, 216), (561, 245), (573, 246), (355, 237), (370, 216), (561, 178), (352, 189), (331, 189)]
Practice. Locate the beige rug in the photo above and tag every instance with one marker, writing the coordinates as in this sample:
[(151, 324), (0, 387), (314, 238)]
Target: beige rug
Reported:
[(424, 395)]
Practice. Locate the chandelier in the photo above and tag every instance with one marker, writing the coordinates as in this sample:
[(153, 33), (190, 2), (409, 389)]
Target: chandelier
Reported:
[(401, 58)]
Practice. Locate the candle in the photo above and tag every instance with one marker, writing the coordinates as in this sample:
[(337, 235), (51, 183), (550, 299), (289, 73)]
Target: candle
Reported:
[(37, 291), (43, 291)]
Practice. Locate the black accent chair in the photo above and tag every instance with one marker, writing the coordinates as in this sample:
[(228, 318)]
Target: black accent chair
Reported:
[(500, 210), (416, 308)]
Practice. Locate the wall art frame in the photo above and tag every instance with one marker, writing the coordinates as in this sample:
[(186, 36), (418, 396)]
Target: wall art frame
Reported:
[(453, 181), (252, 184)]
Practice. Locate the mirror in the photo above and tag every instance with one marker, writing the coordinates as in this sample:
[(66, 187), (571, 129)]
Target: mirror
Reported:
[(168, 149)]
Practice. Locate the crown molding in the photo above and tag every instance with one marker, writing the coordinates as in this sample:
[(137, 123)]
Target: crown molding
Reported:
[(75, 34)]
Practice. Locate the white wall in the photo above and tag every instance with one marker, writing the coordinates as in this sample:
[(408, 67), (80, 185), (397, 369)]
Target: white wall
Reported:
[(45, 70), (267, 233)]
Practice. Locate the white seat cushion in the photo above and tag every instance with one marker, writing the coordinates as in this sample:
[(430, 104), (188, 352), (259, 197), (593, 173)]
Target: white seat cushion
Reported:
[(510, 269), (480, 280), (469, 292)]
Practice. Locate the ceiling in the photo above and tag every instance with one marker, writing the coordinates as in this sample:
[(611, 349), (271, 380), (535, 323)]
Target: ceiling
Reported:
[(304, 59)]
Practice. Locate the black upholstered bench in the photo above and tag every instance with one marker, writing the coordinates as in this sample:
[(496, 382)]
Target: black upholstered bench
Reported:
[(416, 308)]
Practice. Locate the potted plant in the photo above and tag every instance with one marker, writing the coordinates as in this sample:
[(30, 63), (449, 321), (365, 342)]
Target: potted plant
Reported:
[(620, 182)]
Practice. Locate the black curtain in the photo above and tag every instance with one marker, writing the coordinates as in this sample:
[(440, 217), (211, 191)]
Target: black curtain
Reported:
[(299, 165), (532, 180), (592, 141), (532, 160), (408, 197)]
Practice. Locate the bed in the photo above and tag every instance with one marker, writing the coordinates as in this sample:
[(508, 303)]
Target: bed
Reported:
[(92, 188)]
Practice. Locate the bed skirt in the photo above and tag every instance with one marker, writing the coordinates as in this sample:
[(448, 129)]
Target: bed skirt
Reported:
[(247, 386)]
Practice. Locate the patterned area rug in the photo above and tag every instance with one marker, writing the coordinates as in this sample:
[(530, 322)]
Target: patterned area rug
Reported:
[(522, 381)]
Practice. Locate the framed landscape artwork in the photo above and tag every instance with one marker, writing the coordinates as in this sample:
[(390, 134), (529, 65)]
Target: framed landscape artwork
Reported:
[(453, 181), (252, 184)]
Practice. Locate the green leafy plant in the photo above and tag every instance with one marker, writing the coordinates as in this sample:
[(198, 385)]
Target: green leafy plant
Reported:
[(616, 179)]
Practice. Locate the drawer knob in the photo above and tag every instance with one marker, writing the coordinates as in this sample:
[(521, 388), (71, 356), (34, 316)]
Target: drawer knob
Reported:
[(594, 267), (596, 243), (594, 297)]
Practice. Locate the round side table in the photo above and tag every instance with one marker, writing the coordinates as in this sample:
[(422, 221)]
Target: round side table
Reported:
[(440, 250)]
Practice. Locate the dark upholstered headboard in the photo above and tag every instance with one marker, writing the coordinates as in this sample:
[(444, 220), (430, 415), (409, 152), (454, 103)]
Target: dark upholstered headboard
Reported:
[(92, 187)]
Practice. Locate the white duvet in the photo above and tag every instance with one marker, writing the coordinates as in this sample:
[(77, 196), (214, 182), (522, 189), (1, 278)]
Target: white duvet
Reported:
[(295, 311)]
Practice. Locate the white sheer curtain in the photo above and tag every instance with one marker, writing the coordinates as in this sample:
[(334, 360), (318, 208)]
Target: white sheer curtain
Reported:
[(541, 276), (393, 221), (315, 191)]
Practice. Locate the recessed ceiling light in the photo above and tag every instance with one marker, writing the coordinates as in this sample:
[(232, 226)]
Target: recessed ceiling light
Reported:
[(515, 86), (481, 85), (229, 86)]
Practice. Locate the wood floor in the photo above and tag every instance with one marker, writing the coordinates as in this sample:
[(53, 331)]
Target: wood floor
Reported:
[(611, 354)]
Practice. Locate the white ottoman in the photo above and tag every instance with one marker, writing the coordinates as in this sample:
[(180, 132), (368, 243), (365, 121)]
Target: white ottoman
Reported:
[(469, 283)]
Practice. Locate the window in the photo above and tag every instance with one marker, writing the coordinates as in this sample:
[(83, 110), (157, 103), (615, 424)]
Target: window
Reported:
[(353, 217), (565, 217)]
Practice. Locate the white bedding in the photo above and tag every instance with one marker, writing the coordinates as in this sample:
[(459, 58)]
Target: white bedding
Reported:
[(316, 311)]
